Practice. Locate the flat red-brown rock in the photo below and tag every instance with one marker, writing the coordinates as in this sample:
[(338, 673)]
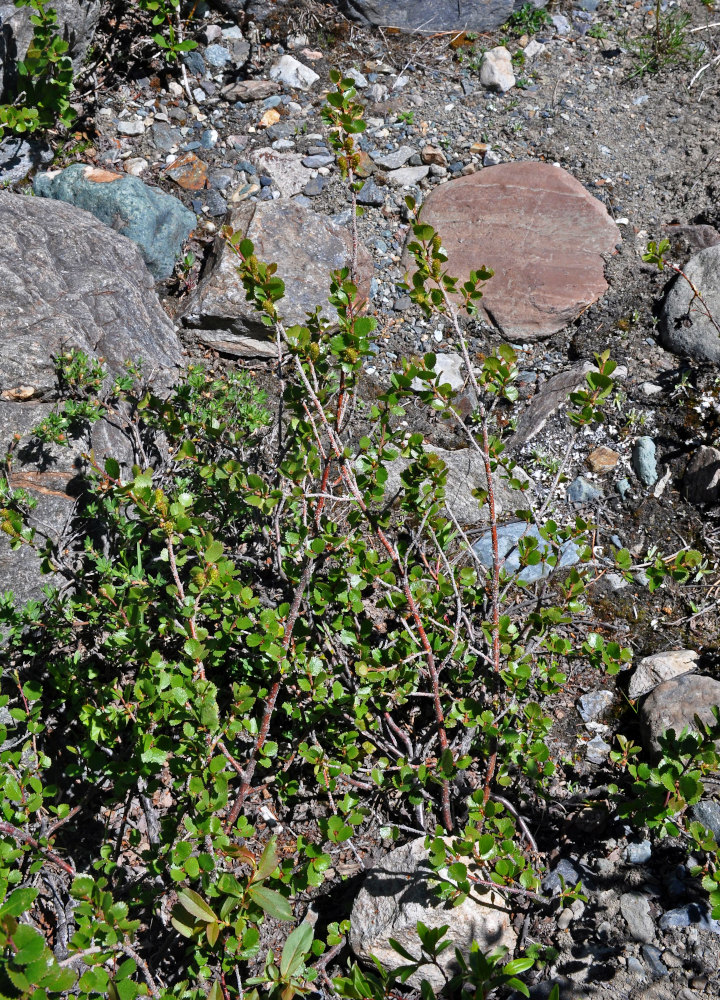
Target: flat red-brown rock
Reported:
[(538, 229)]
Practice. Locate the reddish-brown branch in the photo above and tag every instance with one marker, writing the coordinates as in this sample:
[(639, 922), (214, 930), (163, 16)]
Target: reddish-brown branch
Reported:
[(252, 763), (271, 699), (25, 838), (352, 485)]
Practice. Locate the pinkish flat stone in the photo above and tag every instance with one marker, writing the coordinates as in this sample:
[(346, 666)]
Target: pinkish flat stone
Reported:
[(539, 230)]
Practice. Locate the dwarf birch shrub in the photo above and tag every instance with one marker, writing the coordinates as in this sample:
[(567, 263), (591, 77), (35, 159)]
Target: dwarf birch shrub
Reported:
[(45, 77), (255, 617)]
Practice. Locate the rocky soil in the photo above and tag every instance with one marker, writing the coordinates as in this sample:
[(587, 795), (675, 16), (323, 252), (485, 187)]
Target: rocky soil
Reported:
[(235, 134)]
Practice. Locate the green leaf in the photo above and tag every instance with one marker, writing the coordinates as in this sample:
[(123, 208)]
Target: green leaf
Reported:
[(179, 920), (18, 902), (29, 944), (215, 992), (196, 905), (154, 755), (82, 886), (194, 649), (295, 949), (403, 952), (268, 861), (213, 552), (271, 902), (518, 965)]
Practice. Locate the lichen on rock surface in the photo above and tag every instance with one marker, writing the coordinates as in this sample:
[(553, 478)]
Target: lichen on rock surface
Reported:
[(156, 221)]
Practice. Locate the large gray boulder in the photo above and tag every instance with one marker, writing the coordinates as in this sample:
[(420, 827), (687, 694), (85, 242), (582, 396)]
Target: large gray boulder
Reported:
[(701, 483), (306, 247), (67, 282), (397, 893), (431, 15), (465, 473), (77, 20), (685, 327), (674, 705), (654, 670)]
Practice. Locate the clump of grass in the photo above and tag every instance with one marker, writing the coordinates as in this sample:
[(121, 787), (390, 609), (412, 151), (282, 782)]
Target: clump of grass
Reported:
[(528, 20), (667, 44)]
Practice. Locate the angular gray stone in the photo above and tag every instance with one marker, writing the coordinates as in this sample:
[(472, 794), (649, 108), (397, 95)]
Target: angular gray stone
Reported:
[(77, 20), (396, 895), (508, 537), (570, 871), (377, 93), (707, 812), (597, 750), (356, 76), (553, 395), (219, 308), (450, 368), (654, 670), (314, 187), (131, 126), (674, 705), (594, 704), (690, 915), (582, 491), (636, 909), (393, 161), (250, 90), (466, 472), (294, 74), (533, 49), (643, 461), (685, 328), (429, 16), (496, 71), (164, 137), (18, 157), (66, 284), (638, 854), (217, 56), (407, 176), (318, 160), (653, 957), (286, 169), (701, 483), (371, 194), (157, 222)]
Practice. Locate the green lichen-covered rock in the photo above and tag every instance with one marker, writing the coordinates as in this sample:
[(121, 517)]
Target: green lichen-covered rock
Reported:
[(157, 222)]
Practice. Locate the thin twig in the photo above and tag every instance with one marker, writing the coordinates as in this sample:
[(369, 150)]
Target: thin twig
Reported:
[(25, 838)]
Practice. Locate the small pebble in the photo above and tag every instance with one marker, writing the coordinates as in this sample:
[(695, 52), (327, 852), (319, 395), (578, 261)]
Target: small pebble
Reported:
[(132, 127), (639, 854)]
